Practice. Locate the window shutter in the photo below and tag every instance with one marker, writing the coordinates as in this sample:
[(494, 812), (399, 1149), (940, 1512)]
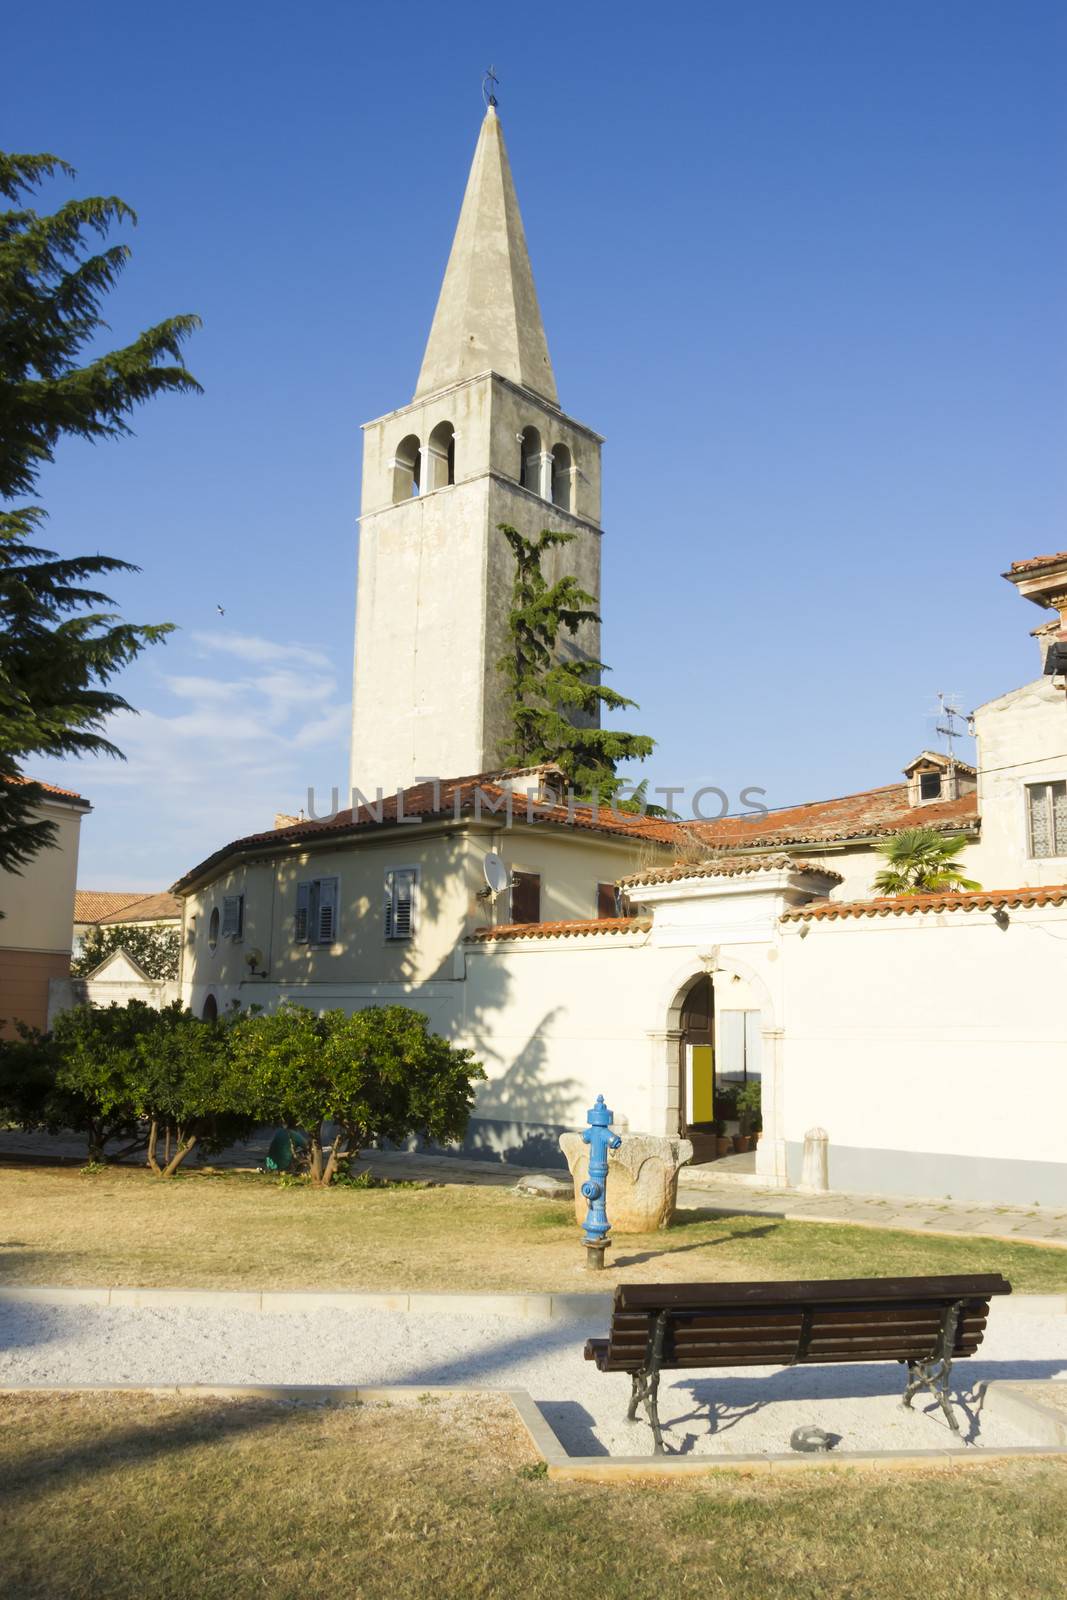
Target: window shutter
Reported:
[(326, 911), (731, 1062), (525, 897), (303, 913), (403, 905), (232, 915), (400, 891), (1040, 819), (1059, 818), (753, 1044)]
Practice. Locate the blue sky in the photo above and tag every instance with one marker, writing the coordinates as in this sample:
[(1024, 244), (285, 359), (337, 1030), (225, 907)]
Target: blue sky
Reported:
[(801, 263)]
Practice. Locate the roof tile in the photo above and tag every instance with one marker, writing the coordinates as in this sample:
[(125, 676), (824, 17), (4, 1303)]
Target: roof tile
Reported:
[(908, 904)]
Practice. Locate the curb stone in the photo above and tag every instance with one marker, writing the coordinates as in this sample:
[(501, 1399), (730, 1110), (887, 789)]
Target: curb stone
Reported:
[(561, 1466), (444, 1304)]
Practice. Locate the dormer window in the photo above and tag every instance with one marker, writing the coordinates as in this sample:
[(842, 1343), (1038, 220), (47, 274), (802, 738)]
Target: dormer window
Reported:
[(929, 786)]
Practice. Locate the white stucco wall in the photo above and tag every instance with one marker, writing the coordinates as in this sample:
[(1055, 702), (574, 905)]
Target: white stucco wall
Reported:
[(932, 1049), (1022, 738)]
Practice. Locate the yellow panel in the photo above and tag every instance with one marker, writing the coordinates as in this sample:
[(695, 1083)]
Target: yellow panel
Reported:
[(702, 1108)]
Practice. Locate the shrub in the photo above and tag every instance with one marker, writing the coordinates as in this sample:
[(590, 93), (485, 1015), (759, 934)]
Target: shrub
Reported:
[(377, 1074), (750, 1103)]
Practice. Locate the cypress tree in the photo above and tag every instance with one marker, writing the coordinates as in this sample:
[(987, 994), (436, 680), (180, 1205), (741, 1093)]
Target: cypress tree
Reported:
[(60, 643), (555, 696)]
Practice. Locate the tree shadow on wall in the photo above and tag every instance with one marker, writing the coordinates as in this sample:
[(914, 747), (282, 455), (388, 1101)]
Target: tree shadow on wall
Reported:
[(523, 1107)]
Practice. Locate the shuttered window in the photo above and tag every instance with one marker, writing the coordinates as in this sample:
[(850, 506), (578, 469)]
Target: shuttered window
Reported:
[(1047, 811), (233, 916), (740, 1043), (401, 902), (317, 904), (525, 897)]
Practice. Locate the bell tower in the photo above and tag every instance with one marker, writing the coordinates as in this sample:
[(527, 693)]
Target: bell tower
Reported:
[(483, 442)]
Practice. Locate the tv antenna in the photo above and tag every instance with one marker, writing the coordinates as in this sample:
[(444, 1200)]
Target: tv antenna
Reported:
[(949, 712), (489, 84)]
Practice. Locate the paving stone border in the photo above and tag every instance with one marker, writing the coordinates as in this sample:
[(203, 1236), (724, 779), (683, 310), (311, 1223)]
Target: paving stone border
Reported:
[(605, 1469), (500, 1304), (503, 1304)]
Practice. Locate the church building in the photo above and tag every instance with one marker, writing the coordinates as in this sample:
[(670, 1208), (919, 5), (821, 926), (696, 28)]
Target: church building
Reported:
[(578, 951)]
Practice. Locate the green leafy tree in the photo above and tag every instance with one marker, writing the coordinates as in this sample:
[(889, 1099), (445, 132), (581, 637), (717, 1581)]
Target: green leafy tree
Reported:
[(555, 698), (922, 861), (146, 1075), (378, 1074), (27, 1079), (186, 1090), (156, 950), (60, 643), (97, 1070)]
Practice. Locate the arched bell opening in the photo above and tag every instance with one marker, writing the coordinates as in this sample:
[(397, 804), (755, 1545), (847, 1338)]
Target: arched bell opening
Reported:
[(441, 457), (407, 469)]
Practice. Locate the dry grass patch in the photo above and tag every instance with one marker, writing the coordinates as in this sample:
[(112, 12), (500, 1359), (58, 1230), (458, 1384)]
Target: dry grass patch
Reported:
[(119, 1495), (123, 1227)]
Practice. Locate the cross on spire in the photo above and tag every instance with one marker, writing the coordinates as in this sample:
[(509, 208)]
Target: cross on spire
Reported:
[(489, 84)]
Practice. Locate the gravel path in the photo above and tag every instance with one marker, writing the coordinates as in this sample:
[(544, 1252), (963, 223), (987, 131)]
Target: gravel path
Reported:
[(735, 1411)]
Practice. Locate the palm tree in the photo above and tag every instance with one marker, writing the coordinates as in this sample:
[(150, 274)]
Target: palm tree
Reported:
[(922, 861)]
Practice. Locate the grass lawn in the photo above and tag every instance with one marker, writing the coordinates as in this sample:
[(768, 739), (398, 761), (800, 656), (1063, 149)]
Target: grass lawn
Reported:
[(240, 1230), (105, 1495)]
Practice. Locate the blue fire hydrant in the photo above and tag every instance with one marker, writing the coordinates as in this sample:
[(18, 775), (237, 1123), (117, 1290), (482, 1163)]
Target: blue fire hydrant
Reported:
[(600, 1139)]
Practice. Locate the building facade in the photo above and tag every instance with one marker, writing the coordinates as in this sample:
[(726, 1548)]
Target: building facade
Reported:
[(38, 912)]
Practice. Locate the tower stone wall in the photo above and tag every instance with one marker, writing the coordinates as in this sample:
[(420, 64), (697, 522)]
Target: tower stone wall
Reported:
[(473, 450)]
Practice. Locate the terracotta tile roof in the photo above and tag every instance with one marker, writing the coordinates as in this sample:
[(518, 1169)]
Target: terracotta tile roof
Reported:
[(151, 908), (107, 905), (907, 905), (727, 867), (51, 788), (451, 798), (562, 930), (1036, 562), (872, 814)]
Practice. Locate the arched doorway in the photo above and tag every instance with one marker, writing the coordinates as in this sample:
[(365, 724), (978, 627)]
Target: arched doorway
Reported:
[(211, 1009)]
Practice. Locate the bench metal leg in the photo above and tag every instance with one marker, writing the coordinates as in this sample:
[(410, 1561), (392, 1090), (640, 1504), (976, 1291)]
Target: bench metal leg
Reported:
[(645, 1383), (933, 1374)]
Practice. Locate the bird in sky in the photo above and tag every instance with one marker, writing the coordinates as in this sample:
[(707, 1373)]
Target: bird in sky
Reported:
[(221, 610)]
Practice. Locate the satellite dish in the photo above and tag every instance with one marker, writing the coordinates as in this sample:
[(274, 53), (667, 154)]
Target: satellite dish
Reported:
[(496, 873)]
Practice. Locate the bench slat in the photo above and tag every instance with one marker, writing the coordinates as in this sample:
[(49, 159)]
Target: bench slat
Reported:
[(672, 1296), (929, 1317)]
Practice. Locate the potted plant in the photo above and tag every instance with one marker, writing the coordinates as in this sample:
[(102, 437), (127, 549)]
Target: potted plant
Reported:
[(749, 1107)]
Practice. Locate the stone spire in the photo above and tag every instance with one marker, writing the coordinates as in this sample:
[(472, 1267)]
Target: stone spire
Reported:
[(487, 314)]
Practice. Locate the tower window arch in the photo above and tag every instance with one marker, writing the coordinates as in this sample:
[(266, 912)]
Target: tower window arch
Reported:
[(562, 477), (441, 457), (407, 469), (530, 460)]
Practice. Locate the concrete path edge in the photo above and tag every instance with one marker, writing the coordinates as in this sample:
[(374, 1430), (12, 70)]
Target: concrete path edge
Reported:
[(502, 1304), (588, 1469)]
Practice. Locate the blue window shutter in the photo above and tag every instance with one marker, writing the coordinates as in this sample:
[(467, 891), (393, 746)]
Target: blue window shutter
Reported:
[(303, 913), (326, 911)]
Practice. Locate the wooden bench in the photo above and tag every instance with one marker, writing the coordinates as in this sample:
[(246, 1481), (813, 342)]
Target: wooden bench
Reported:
[(926, 1323)]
